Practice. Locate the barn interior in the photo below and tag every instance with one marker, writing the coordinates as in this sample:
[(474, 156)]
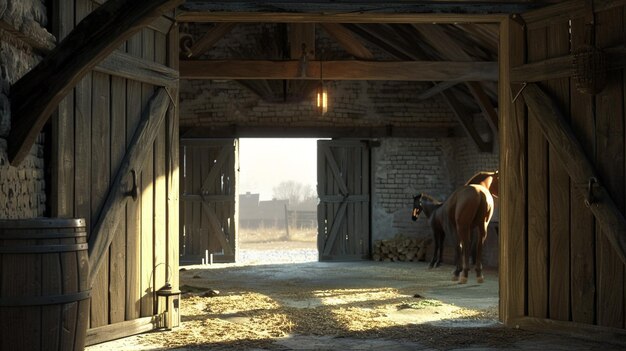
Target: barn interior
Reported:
[(123, 165)]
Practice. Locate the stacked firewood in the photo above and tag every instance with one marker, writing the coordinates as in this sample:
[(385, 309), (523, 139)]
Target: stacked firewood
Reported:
[(401, 248)]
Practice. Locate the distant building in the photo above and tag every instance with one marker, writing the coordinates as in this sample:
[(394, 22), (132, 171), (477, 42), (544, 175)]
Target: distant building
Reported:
[(254, 213)]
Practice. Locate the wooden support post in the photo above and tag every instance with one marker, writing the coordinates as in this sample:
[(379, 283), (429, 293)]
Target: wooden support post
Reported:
[(93, 39), (105, 229), (579, 168), (513, 185)]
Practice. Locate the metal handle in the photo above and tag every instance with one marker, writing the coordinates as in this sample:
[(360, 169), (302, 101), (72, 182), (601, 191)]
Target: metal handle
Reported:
[(134, 192)]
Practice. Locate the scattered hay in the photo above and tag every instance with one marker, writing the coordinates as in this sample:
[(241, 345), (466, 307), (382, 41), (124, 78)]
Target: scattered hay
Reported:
[(253, 320)]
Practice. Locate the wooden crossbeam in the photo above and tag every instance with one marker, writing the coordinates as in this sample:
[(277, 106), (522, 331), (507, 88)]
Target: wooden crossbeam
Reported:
[(240, 131), (114, 206), (93, 39), (131, 67), (341, 70), (580, 169), (561, 67)]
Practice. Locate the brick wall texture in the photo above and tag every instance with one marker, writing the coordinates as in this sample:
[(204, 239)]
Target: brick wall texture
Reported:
[(22, 188)]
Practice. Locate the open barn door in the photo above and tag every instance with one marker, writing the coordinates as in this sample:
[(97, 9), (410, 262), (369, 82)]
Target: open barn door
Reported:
[(343, 186), (208, 190)]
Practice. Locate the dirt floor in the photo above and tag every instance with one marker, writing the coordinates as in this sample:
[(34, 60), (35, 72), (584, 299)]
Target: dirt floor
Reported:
[(309, 305)]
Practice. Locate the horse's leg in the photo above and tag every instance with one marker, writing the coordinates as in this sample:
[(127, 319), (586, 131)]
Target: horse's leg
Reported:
[(435, 259), (440, 236), (464, 236), (457, 262), (482, 235)]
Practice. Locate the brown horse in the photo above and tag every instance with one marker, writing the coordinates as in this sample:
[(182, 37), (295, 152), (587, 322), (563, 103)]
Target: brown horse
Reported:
[(469, 207)]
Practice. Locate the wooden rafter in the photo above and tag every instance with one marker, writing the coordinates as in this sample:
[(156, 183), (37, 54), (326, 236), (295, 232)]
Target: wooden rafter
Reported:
[(340, 70), (348, 41), (436, 89), (489, 112), (212, 36), (93, 39), (449, 49), (319, 11), (466, 121)]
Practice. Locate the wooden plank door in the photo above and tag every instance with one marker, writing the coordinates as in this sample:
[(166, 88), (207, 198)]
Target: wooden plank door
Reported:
[(208, 189), (562, 260), (343, 186)]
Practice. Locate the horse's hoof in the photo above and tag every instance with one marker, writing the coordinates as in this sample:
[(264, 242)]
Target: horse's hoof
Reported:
[(463, 280), (455, 278), (480, 280)]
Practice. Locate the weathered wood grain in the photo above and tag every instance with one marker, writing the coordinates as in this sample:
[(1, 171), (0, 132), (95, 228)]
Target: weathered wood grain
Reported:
[(96, 36), (571, 154), (209, 39), (348, 41), (513, 186), (582, 260), (140, 146), (134, 68), (341, 70), (538, 190)]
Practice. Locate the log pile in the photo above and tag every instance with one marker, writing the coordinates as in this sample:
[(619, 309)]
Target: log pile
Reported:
[(401, 248)]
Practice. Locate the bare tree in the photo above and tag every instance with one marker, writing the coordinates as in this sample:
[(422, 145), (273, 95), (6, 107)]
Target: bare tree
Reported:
[(293, 191)]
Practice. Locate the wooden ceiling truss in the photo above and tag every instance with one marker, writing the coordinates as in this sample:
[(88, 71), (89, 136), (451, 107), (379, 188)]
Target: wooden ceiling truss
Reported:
[(458, 55)]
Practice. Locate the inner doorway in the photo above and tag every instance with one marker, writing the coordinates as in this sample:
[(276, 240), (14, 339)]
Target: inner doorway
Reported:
[(278, 200)]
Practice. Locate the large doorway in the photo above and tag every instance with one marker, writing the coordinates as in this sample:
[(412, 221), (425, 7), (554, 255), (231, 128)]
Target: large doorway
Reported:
[(277, 200)]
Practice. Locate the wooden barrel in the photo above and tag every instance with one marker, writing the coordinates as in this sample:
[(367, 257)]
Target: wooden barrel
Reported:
[(44, 292)]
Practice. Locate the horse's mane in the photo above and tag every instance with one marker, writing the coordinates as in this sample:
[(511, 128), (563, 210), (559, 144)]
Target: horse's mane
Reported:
[(480, 176), (432, 199)]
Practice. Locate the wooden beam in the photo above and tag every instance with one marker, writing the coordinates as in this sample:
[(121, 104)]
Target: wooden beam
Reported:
[(436, 89), (489, 112), (513, 178), (341, 70), (348, 41), (321, 11), (115, 204), (122, 329), (465, 118), (447, 46), (566, 10), (563, 140), (561, 67), (246, 131), (209, 39), (134, 68), (94, 38)]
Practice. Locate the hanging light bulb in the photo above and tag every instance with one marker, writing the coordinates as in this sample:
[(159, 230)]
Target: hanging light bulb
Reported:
[(322, 94)]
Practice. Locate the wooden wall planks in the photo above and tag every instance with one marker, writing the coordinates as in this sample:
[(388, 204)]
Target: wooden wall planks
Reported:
[(90, 138)]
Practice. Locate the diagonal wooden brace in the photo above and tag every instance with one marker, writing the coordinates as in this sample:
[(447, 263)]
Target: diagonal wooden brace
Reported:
[(560, 136), (115, 204), (93, 39)]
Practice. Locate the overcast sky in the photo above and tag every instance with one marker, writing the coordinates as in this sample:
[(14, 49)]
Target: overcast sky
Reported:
[(264, 163)]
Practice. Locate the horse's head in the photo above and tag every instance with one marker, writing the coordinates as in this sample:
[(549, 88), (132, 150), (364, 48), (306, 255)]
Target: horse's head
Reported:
[(417, 207)]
